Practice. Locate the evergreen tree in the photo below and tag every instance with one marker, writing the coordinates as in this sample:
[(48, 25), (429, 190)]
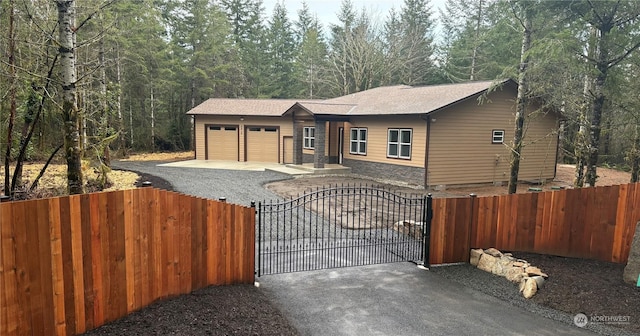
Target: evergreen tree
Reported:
[(310, 60), (281, 45)]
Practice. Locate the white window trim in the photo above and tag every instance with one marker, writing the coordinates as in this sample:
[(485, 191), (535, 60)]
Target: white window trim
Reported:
[(358, 140), (308, 141), (497, 134), (399, 143)]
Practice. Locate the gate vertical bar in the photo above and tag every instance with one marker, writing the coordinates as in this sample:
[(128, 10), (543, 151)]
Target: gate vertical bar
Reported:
[(259, 238), (426, 228)]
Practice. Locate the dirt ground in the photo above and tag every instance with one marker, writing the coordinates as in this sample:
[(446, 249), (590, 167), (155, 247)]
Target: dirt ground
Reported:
[(218, 310), (591, 287)]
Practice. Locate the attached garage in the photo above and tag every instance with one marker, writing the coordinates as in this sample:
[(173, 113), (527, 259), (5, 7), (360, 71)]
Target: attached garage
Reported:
[(222, 142), (262, 143)]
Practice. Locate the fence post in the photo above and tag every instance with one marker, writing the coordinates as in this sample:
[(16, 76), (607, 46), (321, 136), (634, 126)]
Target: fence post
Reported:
[(471, 221), (426, 229)]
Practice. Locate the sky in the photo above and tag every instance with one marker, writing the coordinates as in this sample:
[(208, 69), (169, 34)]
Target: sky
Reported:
[(327, 9)]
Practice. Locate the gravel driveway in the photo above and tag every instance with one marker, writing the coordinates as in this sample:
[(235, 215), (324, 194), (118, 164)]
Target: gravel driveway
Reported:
[(239, 187)]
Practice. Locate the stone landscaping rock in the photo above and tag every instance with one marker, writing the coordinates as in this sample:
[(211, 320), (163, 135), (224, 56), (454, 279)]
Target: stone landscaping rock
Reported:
[(632, 270), (530, 288), (535, 271), (486, 262), (491, 260), (502, 265), (539, 281), (515, 274), (474, 256), (493, 252), (498, 268)]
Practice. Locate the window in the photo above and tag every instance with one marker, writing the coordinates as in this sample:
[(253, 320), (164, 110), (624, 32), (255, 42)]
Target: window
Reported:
[(497, 137), (399, 143), (358, 141), (309, 138)]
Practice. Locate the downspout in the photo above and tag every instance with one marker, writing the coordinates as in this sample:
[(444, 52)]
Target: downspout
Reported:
[(426, 151)]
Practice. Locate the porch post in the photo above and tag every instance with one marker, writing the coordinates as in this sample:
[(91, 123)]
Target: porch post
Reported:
[(320, 139), (297, 141)]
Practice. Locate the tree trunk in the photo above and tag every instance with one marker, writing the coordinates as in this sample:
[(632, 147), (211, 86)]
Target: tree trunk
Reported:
[(73, 153), (121, 140), (153, 123), (30, 127), (521, 105), (602, 68), (12, 99), (582, 141), (634, 156), (476, 43)]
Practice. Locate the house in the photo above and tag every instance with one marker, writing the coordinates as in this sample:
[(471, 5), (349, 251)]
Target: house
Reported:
[(431, 136)]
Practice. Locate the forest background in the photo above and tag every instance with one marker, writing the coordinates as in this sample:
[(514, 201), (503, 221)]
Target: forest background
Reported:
[(94, 79)]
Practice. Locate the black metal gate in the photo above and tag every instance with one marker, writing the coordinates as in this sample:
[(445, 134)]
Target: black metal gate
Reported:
[(342, 226)]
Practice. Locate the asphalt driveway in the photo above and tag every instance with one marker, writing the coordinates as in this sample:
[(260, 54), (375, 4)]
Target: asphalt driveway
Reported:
[(398, 299), (388, 299)]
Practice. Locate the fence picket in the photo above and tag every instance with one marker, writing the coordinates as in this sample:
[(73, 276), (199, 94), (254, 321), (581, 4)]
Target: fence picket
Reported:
[(596, 223), (72, 263)]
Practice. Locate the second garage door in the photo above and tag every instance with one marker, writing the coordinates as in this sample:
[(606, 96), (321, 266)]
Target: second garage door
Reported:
[(262, 144)]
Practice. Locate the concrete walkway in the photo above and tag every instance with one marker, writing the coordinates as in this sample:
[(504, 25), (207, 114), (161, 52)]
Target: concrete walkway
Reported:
[(398, 299), (236, 165)]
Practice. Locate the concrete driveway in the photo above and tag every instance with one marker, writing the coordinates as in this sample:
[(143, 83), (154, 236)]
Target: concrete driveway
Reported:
[(398, 299)]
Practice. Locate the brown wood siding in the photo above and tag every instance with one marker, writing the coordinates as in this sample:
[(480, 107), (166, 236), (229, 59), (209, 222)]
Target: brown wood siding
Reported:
[(284, 123), (377, 130), (461, 151)]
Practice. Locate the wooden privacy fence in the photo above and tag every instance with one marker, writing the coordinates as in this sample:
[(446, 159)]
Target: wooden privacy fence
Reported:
[(71, 264), (594, 223)]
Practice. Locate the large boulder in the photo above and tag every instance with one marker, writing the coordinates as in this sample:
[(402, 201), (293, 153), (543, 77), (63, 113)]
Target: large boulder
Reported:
[(632, 270), (474, 256), (487, 262)]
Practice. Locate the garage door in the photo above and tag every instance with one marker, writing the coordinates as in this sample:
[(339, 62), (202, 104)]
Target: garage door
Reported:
[(222, 143), (262, 144)]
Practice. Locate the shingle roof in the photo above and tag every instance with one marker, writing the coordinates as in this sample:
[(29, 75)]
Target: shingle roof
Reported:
[(388, 100), (230, 106)]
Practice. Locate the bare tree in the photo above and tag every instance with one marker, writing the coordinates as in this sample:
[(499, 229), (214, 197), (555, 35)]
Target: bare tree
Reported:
[(70, 113), (613, 21), (12, 97), (521, 104)]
